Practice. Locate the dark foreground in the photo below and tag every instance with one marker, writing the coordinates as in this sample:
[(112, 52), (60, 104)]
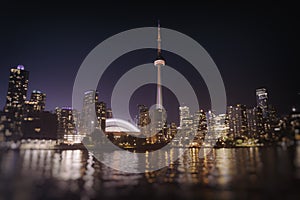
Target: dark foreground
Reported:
[(236, 173)]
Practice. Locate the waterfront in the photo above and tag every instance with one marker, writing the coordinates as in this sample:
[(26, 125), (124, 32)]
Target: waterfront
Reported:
[(231, 173)]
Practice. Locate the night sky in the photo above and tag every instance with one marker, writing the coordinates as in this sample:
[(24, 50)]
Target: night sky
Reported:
[(253, 45)]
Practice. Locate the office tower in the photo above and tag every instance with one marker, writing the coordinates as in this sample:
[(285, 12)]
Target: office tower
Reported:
[(66, 118), (187, 123), (93, 113), (101, 115), (88, 118), (199, 126), (262, 101), (184, 113), (217, 125), (36, 103), (40, 99), (272, 113), (173, 130), (211, 122), (17, 90), (200, 122), (221, 125), (272, 122), (144, 119), (255, 122), (15, 100), (237, 117)]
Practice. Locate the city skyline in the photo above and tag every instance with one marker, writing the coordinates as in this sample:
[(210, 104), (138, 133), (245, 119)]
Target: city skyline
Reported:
[(243, 49), (256, 125), (173, 137), (37, 100)]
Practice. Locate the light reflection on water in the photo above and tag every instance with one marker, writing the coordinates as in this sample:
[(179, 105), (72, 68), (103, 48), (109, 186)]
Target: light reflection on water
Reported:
[(221, 173)]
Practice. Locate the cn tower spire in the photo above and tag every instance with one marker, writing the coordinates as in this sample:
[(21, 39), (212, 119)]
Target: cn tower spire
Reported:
[(158, 40)]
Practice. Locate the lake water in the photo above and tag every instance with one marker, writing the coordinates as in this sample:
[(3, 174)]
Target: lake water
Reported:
[(237, 173)]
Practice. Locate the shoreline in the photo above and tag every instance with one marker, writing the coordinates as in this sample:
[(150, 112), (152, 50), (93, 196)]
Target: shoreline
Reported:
[(132, 149)]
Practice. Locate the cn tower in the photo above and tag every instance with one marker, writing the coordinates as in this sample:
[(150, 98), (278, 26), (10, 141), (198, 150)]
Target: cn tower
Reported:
[(159, 62)]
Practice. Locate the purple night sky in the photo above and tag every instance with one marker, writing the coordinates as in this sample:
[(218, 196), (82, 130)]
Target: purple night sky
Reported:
[(252, 45)]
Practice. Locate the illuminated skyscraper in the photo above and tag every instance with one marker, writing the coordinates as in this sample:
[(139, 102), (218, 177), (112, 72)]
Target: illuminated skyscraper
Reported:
[(93, 113), (184, 113), (88, 118), (15, 99), (143, 119), (66, 118), (172, 131), (17, 90), (40, 98), (217, 125), (262, 101), (255, 122), (200, 122), (200, 126), (37, 102), (270, 120), (101, 115), (237, 117), (211, 122)]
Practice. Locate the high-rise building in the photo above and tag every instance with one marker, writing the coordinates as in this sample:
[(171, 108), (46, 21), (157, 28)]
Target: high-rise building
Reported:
[(17, 90), (217, 125), (200, 126), (262, 101), (237, 117), (36, 103), (143, 119), (101, 115), (172, 131), (210, 122), (255, 122), (40, 98), (93, 113), (270, 120), (221, 125), (15, 100), (188, 123), (66, 118), (184, 113), (200, 122), (88, 118)]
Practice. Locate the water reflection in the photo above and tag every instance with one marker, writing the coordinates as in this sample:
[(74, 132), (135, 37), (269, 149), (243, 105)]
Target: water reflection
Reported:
[(221, 173), (297, 162)]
